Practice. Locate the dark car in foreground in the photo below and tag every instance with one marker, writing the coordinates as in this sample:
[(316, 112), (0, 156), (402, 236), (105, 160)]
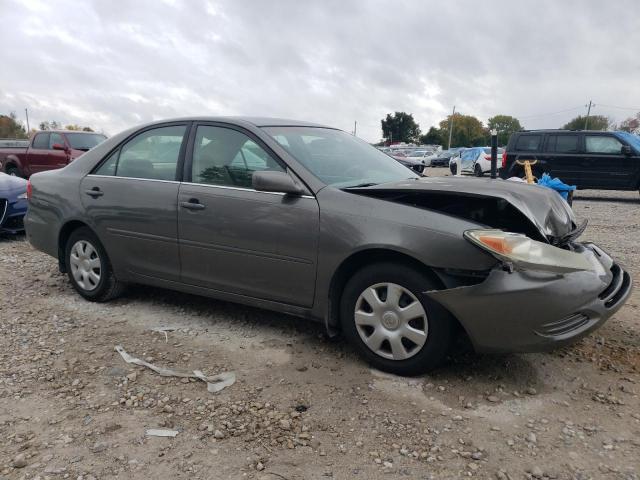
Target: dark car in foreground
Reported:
[(47, 150), (13, 203), (584, 158), (311, 221)]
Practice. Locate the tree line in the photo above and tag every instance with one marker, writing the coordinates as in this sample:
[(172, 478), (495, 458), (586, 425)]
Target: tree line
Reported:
[(469, 131), (11, 127)]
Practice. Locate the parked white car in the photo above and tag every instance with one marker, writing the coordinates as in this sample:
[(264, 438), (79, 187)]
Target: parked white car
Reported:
[(476, 160), (421, 156)]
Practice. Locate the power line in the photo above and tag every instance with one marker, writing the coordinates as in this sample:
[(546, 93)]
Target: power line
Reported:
[(550, 113), (620, 108)]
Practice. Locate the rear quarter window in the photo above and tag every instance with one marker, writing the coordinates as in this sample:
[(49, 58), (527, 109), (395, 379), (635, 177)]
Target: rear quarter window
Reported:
[(529, 143)]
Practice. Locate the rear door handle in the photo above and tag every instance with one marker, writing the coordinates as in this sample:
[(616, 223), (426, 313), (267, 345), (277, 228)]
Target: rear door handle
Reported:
[(192, 204), (94, 192)]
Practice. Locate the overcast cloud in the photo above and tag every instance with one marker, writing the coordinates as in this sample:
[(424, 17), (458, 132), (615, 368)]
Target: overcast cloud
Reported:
[(113, 64)]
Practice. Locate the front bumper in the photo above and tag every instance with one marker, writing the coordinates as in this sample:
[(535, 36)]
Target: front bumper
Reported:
[(530, 311), (12, 215)]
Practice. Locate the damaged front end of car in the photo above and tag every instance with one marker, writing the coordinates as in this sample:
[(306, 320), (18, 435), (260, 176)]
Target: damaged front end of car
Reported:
[(546, 289)]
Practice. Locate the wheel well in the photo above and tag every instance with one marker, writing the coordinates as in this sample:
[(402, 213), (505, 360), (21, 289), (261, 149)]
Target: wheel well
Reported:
[(65, 233), (359, 260)]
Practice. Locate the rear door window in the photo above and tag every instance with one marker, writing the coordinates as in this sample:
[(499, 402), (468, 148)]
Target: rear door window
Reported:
[(41, 141), (529, 143), (602, 144), (151, 155), (562, 143)]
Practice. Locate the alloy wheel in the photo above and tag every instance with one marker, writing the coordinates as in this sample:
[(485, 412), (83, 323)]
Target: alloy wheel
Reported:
[(85, 265), (391, 321)]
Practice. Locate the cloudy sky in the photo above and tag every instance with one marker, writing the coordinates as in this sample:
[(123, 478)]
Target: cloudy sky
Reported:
[(113, 64)]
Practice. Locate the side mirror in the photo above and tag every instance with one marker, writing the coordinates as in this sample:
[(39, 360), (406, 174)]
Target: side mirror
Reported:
[(58, 146), (278, 182), (626, 150)]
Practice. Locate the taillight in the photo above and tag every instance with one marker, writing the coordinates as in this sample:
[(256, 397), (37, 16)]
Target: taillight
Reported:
[(504, 159), (29, 189), (487, 157)]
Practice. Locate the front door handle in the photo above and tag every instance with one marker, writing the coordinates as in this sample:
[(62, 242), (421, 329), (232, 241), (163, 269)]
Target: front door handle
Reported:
[(94, 192), (192, 204)]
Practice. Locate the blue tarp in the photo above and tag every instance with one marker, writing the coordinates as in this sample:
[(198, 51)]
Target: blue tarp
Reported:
[(556, 184)]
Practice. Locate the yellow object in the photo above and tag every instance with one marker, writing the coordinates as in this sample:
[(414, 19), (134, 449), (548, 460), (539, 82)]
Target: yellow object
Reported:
[(528, 174)]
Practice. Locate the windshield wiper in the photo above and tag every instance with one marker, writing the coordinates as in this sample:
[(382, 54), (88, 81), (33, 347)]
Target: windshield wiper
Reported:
[(362, 185)]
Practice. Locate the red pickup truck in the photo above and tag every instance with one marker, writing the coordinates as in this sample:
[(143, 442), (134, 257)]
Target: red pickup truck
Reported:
[(48, 150)]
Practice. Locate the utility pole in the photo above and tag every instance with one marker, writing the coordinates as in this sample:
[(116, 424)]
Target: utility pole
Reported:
[(451, 127), (586, 120), (355, 128), (26, 113)]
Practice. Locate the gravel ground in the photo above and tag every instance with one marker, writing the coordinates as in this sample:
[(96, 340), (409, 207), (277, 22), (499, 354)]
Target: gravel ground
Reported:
[(303, 406)]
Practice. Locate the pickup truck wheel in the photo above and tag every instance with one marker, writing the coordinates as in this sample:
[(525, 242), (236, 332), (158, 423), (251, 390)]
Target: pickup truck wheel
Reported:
[(89, 269), (391, 323), (12, 170)]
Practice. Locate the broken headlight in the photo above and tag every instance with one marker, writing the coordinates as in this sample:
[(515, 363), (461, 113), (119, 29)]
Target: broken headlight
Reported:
[(522, 251)]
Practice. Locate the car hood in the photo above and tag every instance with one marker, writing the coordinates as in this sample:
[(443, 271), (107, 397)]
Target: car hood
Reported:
[(9, 183), (543, 207)]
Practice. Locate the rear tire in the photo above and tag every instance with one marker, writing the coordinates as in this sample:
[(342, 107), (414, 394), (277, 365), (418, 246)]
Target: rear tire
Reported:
[(391, 323), (454, 168), (89, 269), (478, 170)]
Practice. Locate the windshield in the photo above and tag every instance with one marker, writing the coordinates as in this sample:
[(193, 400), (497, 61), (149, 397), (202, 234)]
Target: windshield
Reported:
[(633, 140), (84, 141), (338, 158)]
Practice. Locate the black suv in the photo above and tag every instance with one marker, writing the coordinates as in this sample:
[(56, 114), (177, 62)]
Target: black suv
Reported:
[(584, 158)]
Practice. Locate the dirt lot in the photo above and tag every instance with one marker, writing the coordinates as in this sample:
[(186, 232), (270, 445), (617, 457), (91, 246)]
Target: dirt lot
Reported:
[(303, 406)]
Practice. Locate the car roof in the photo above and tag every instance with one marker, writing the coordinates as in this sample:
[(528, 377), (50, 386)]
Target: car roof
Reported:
[(67, 131), (240, 120), (560, 130)]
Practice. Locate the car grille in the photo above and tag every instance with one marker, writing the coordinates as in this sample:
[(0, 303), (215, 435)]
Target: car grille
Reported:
[(4, 204), (564, 326), (619, 285)]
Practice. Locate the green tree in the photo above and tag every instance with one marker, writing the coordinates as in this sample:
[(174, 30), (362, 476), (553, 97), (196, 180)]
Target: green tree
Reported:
[(10, 127), (49, 125), (505, 126), (432, 137), (596, 122), (77, 127), (400, 127), (631, 124), (467, 131)]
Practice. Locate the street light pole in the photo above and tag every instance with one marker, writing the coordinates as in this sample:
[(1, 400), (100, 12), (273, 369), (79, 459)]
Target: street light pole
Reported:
[(451, 127), (494, 153)]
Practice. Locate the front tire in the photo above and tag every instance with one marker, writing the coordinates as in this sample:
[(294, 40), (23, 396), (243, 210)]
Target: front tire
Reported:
[(89, 269), (454, 168), (391, 323), (478, 170), (13, 171)]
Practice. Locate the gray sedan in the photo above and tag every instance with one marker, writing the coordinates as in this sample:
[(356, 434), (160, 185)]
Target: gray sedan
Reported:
[(311, 221)]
